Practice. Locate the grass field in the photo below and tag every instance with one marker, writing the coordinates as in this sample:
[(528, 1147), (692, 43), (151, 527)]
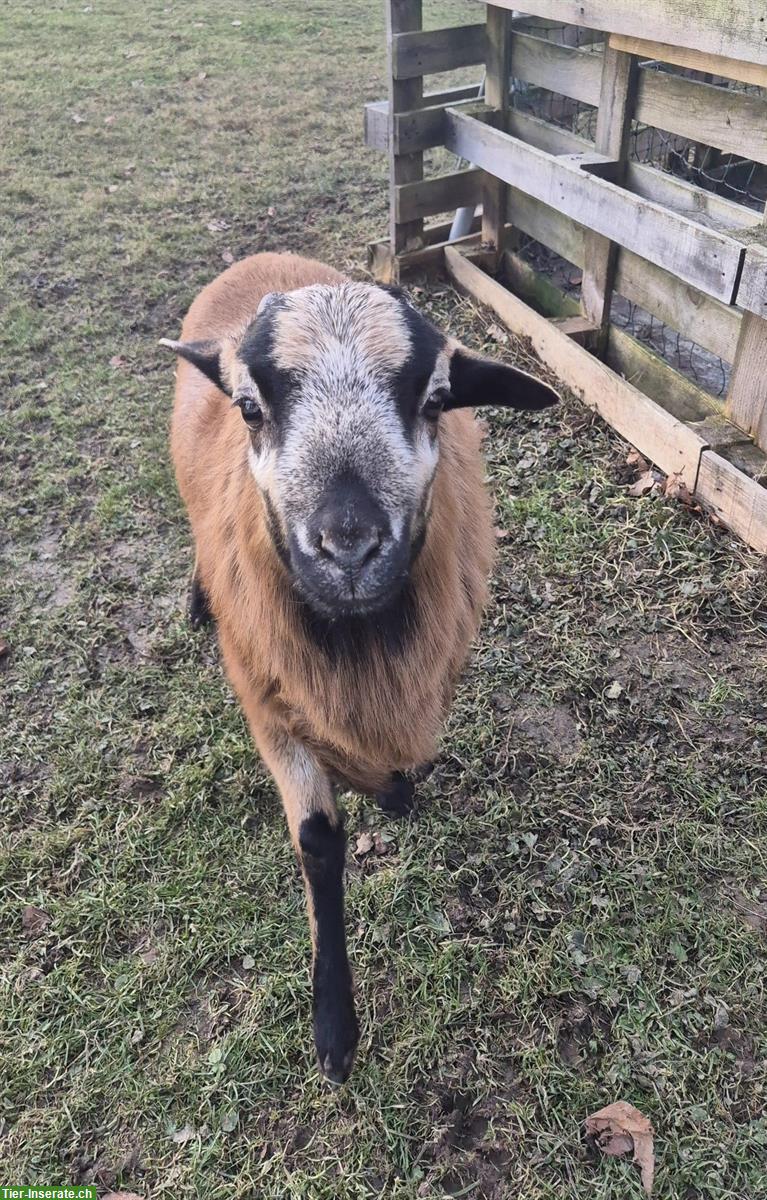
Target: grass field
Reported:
[(578, 912)]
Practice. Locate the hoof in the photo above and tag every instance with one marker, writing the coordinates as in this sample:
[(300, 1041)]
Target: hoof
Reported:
[(336, 1034), (199, 607), (398, 799)]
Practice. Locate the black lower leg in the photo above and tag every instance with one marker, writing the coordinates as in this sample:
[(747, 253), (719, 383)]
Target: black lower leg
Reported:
[(336, 1032), (397, 798), (199, 607)]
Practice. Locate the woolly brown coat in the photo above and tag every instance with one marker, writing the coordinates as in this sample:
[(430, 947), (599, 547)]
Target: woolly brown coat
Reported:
[(363, 718)]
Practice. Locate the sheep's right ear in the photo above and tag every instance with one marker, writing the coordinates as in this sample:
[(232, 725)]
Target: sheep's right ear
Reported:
[(206, 356)]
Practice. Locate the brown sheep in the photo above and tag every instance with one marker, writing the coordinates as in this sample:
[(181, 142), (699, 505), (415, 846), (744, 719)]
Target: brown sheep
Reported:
[(334, 483)]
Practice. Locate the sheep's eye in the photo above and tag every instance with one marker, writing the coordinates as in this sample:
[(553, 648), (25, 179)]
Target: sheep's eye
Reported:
[(252, 413), (434, 404)]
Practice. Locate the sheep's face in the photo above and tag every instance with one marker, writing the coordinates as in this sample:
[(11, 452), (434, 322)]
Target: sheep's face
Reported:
[(342, 388)]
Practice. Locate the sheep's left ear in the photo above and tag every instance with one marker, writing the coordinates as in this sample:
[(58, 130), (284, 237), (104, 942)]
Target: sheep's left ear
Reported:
[(206, 356), (475, 381)]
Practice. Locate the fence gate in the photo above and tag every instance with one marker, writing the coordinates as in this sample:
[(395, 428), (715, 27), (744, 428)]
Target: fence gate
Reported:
[(620, 187)]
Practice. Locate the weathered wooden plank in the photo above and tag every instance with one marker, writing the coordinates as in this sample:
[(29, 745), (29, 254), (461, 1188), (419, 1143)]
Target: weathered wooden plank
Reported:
[(666, 189), (404, 95), (497, 97), (731, 28), (430, 257), (436, 195), (417, 130), (616, 103), (693, 60), (738, 501), (640, 365), (747, 395), (752, 290), (702, 257), (568, 70), (427, 52), (716, 116), (659, 435)]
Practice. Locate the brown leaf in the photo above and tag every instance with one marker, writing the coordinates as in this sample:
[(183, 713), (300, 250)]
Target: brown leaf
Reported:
[(676, 489), (644, 484), (364, 843), (619, 1128), (635, 459), (34, 920)]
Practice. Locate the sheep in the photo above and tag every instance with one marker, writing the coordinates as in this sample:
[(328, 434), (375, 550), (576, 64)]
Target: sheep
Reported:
[(326, 453)]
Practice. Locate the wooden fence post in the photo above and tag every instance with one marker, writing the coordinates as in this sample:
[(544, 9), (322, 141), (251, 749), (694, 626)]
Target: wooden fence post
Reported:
[(747, 394), (616, 105), (402, 16), (498, 67)]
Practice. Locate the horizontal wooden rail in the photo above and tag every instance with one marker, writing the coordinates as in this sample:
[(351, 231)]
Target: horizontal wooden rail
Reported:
[(692, 60), (729, 120), (414, 130), (438, 194), (734, 29), (647, 181), (427, 52), (703, 257)]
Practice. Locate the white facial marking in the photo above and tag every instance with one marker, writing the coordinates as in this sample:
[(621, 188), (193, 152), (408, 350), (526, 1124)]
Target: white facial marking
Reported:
[(343, 346)]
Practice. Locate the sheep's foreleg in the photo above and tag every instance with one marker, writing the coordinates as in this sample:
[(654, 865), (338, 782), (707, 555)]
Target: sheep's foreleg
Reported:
[(320, 843)]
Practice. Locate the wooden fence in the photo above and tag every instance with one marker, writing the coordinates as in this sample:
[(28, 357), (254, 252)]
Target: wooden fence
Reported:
[(693, 258)]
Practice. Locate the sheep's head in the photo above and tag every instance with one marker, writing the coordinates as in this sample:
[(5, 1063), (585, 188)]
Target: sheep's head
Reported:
[(342, 390)]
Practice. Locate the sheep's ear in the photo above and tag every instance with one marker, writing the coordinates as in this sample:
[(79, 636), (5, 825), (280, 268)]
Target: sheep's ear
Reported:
[(206, 356), (475, 381)]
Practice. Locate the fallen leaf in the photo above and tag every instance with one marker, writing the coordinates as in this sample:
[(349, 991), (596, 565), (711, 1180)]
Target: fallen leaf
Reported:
[(382, 843), (614, 691), (78, 120), (111, 187), (635, 459), (248, 962), (117, 361), (110, 120), (498, 334), (230, 1121), (644, 484), (227, 257), (676, 489), (202, 75), (34, 920), (620, 1128), (217, 225), (364, 843), (526, 463), (501, 533), (182, 1136)]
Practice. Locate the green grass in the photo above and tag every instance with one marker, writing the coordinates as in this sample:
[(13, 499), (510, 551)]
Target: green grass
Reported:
[(577, 914)]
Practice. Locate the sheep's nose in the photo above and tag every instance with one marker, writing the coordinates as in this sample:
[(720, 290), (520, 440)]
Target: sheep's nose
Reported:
[(351, 548), (350, 528)]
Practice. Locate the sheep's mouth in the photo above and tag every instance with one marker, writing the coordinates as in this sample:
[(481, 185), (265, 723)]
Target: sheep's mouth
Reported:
[(338, 603)]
